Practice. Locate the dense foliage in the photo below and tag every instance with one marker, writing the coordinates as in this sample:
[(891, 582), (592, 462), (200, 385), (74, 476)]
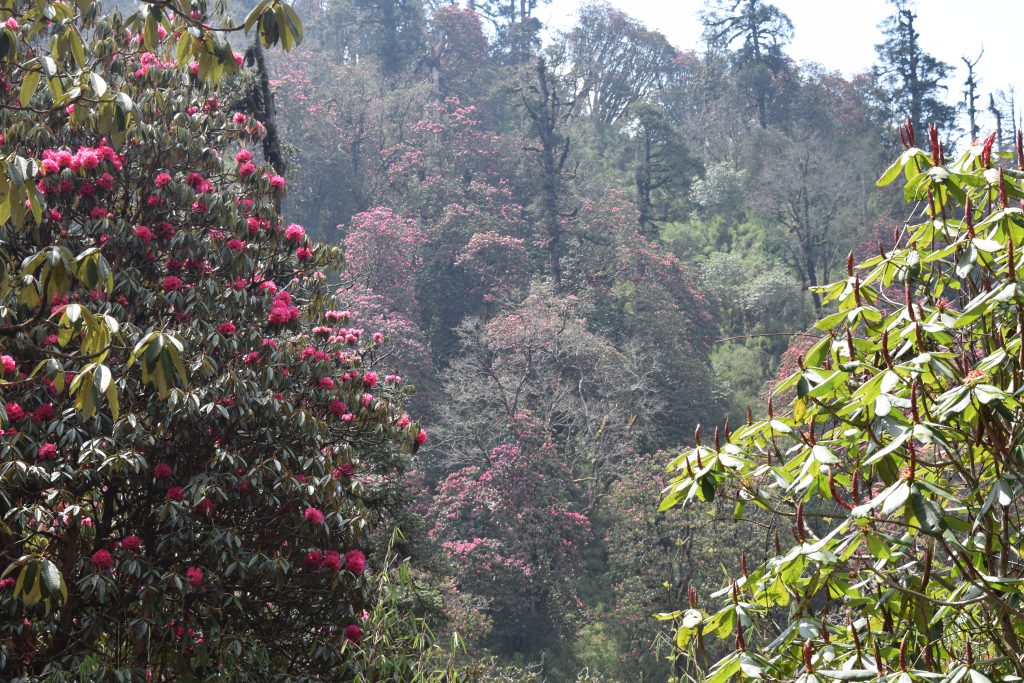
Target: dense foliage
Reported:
[(189, 433), (897, 467), (563, 252)]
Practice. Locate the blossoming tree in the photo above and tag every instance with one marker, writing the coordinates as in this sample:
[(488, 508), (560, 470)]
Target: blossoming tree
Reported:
[(184, 420)]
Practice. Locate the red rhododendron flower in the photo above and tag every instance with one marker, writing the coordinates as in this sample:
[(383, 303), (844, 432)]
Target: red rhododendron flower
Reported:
[(355, 561), (175, 493), (332, 561), (48, 451), (163, 471), (172, 283), (353, 634), (102, 559), (163, 179), (205, 507), (314, 558), (295, 232), (131, 543), (227, 329), (195, 576), (144, 234), (314, 516), (243, 156), (15, 413), (345, 469)]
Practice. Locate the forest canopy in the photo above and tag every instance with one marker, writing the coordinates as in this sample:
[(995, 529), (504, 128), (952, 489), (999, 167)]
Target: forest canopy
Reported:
[(351, 340)]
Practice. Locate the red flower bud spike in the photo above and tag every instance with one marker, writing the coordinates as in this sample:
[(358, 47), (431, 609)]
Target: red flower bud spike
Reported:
[(853, 632), (914, 412), (1011, 259), (969, 217), (910, 303), (903, 652), (750, 416), (696, 435), (933, 138), (835, 491), (808, 651), (718, 441), (1002, 189), (727, 432), (885, 348), (970, 655), (849, 264), (741, 644), (879, 667), (743, 563), (1020, 150)]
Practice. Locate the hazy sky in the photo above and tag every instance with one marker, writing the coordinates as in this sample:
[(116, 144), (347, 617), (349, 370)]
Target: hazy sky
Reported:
[(841, 34)]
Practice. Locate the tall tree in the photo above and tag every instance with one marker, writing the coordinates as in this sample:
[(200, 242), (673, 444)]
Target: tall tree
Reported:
[(971, 96), (517, 30), (911, 79), (761, 30), (549, 102), (617, 59)]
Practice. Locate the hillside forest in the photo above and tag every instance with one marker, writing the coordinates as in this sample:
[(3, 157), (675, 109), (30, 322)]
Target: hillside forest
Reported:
[(396, 340)]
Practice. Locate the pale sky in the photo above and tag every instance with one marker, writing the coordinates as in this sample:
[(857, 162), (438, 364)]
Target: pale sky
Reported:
[(841, 34)]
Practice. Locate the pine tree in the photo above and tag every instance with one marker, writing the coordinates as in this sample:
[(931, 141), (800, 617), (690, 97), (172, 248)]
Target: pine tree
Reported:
[(911, 79)]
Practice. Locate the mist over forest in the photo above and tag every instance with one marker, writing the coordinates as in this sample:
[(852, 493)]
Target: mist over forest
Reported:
[(380, 340)]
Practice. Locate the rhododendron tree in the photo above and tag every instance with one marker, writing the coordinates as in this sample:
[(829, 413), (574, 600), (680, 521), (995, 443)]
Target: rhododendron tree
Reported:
[(513, 537), (895, 471), (188, 433)]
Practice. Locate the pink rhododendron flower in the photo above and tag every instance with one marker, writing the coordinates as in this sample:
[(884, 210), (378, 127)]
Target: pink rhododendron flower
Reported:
[(370, 379), (11, 23), (227, 329), (246, 169), (48, 451), (144, 234), (277, 181), (8, 364), (163, 179), (314, 516), (235, 245), (421, 437), (243, 156), (295, 232)]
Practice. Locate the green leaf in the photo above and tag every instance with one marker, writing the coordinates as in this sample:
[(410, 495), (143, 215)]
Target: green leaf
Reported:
[(929, 515), (28, 86)]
